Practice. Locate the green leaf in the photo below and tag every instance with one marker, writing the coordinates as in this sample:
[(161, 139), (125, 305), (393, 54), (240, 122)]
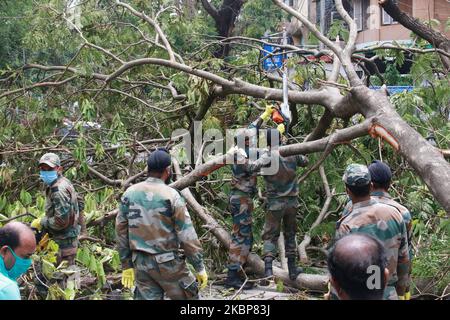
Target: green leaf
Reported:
[(48, 268), (92, 264), (115, 261), (83, 256), (100, 274), (70, 291), (25, 198), (280, 286), (88, 110)]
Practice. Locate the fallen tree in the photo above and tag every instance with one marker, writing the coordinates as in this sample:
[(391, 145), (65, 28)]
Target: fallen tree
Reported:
[(303, 281)]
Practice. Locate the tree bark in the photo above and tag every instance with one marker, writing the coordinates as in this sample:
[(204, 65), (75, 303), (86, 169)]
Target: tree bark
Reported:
[(225, 19), (426, 160)]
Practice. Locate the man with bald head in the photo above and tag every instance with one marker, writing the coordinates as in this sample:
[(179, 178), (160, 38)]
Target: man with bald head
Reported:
[(17, 244), (379, 220), (358, 267)]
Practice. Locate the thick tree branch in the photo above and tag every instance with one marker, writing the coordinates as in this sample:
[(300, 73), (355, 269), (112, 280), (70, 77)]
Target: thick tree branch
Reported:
[(426, 160), (349, 47), (39, 85), (340, 136), (104, 178), (212, 11)]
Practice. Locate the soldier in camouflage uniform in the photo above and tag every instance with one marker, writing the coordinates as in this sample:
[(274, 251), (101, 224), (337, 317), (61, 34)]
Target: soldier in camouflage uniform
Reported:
[(61, 208), (243, 189), (379, 220), (152, 225), (282, 202), (381, 176)]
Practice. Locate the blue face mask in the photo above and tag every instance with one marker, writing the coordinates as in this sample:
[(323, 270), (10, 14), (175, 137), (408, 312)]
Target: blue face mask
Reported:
[(20, 266), (48, 176)]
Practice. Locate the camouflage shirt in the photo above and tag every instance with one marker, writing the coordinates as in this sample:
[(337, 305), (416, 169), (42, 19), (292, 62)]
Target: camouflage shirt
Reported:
[(243, 180), (61, 210), (153, 218), (284, 182), (384, 197), (385, 223)]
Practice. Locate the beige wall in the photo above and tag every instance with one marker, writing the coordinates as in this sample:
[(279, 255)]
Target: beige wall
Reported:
[(385, 33), (442, 13), (422, 9)]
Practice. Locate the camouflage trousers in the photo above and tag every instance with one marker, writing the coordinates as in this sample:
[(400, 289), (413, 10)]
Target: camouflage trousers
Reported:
[(241, 207), (67, 250), (161, 274), (280, 212)]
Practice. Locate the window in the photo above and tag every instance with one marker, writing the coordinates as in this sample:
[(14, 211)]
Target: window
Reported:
[(335, 16), (403, 5), (386, 18), (358, 14), (289, 2)]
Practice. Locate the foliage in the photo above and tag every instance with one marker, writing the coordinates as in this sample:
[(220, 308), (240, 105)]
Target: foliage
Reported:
[(100, 128), (338, 28)]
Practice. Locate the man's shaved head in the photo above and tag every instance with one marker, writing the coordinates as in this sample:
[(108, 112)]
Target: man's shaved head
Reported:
[(20, 238), (19, 233), (349, 260)]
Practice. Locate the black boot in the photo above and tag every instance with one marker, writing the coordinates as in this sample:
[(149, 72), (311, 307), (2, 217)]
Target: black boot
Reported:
[(268, 271), (294, 271), (234, 281)]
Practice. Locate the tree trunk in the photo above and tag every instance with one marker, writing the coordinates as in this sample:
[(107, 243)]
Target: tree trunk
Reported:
[(225, 19), (425, 159)]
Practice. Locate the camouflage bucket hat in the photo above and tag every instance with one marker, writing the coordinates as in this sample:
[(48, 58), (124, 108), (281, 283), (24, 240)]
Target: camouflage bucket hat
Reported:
[(356, 175), (50, 159)]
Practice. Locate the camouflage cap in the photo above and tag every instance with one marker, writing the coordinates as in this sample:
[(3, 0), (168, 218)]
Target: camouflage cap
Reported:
[(50, 159), (356, 175)]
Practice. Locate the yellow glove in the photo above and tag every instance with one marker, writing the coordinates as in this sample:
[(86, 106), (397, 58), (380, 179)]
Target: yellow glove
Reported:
[(281, 128), (43, 243), (267, 113), (36, 224), (408, 295), (202, 278), (128, 278), (401, 297)]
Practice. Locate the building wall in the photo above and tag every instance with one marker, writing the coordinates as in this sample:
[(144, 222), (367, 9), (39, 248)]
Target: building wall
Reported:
[(442, 13), (376, 31), (423, 9)]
